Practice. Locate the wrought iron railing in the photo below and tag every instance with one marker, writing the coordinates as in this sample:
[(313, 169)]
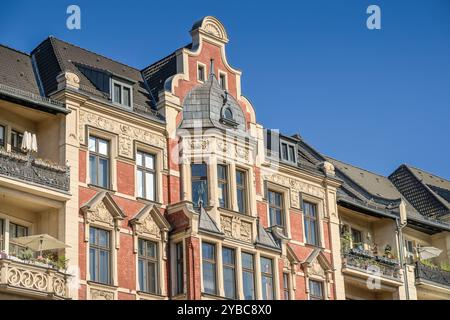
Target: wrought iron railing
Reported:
[(366, 262), (26, 168), (33, 279), (432, 274)]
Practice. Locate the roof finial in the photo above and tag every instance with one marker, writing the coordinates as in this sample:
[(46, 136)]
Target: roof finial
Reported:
[(211, 67)]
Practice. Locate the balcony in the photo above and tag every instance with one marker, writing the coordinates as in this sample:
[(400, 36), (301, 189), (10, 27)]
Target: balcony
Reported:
[(32, 280), (366, 262), (27, 169), (432, 274)]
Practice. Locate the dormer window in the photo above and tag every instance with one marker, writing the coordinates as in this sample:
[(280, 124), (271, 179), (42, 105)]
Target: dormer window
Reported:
[(121, 94), (288, 152)]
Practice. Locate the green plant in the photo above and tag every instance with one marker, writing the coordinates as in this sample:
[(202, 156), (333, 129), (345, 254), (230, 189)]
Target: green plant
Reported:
[(346, 241), (445, 266), (26, 254), (429, 263), (62, 263)]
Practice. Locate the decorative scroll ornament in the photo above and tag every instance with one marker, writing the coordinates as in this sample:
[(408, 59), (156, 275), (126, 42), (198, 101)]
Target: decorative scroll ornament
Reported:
[(97, 294), (234, 228), (100, 214), (148, 226)]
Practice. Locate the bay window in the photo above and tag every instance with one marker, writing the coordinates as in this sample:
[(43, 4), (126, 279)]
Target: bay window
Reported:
[(222, 180), (241, 190), (199, 177), (248, 276), (267, 278), (229, 272), (209, 268)]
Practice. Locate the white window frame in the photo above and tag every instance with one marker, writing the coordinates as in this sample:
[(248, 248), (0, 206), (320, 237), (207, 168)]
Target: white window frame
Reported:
[(122, 86), (288, 144), (202, 65), (223, 73)]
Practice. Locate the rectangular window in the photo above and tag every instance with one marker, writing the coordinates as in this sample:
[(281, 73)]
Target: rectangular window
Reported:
[(146, 182), (201, 73), (16, 231), (223, 81), (316, 290), (410, 251), (311, 223), (179, 266), (2, 136), (288, 152), (241, 190), (99, 162), (286, 287), (209, 267), (121, 94), (99, 255), (248, 276), (229, 272), (148, 266), (266, 278), (16, 141), (199, 177), (222, 179), (276, 208), (357, 239)]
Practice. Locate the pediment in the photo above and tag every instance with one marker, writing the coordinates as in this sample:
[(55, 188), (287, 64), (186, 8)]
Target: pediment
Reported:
[(102, 209), (317, 264), (150, 222)]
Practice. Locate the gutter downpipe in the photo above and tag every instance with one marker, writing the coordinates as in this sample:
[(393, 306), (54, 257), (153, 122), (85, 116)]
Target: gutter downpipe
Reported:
[(399, 228)]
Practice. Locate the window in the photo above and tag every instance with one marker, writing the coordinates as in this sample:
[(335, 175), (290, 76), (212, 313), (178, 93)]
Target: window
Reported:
[(276, 208), (311, 223), (121, 94), (229, 272), (148, 266), (357, 239), (222, 179), (286, 287), (410, 251), (266, 279), (228, 114), (99, 162), (146, 182), (315, 290), (223, 81), (99, 255), (201, 73), (288, 152), (248, 276), (2, 234), (209, 267), (179, 266), (2, 136), (241, 190), (16, 141), (16, 231), (199, 177)]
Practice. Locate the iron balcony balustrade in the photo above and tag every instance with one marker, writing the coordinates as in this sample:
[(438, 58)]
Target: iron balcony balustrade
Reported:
[(432, 274), (22, 167), (362, 260)]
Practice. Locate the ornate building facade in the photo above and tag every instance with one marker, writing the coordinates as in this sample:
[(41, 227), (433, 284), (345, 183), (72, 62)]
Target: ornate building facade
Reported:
[(161, 184)]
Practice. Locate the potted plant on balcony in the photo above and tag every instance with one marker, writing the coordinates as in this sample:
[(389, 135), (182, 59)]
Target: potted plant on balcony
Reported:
[(346, 242)]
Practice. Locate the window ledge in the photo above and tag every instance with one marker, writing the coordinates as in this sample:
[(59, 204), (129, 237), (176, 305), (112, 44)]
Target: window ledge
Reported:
[(102, 285), (147, 201), (99, 188)]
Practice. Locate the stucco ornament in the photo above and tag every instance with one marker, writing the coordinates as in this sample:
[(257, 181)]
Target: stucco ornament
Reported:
[(97, 294), (234, 227), (100, 214), (148, 226)]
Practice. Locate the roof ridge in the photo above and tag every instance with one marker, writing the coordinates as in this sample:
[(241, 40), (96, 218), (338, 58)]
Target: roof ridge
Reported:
[(16, 50), (98, 54), (357, 167), (425, 171)]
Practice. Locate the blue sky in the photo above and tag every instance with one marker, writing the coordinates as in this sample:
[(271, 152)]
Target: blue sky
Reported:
[(375, 99)]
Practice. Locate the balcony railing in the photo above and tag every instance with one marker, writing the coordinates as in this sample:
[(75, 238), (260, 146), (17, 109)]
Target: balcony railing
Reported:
[(432, 274), (37, 171), (32, 280), (365, 261)]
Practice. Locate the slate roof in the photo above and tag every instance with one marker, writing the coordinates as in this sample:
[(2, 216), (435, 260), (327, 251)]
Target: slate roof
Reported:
[(206, 223), (17, 70), (203, 107), (428, 193), (266, 239), (53, 56)]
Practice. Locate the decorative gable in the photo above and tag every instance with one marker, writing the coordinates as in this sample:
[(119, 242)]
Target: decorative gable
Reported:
[(317, 265), (103, 211)]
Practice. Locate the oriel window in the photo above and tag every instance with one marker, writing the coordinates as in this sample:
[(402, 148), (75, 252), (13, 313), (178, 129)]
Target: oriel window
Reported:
[(222, 179), (241, 190), (199, 177)]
